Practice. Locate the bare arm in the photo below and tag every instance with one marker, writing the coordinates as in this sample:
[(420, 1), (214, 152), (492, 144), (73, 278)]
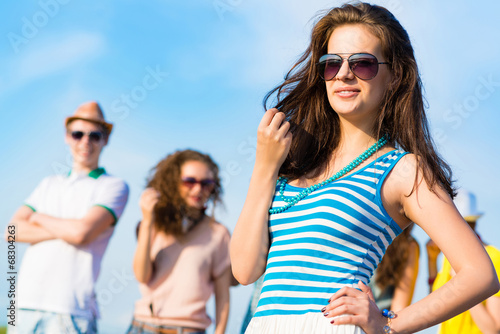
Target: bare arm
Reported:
[(221, 288), (403, 293), (76, 231), (143, 265), (26, 231), (487, 317), (250, 240), (436, 214)]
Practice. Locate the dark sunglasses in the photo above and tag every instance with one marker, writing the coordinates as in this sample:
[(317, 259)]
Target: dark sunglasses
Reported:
[(94, 136), (190, 182), (363, 65)]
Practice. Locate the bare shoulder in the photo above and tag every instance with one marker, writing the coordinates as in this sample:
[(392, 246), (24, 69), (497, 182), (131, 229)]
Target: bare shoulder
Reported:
[(217, 226), (403, 174), (407, 182), (423, 203), (398, 185)]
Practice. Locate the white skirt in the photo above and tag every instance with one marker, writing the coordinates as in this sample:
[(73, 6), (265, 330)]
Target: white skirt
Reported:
[(309, 323)]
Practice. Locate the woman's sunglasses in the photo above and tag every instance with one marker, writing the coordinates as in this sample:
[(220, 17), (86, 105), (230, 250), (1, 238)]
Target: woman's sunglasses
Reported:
[(190, 182), (363, 65), (94, 136)]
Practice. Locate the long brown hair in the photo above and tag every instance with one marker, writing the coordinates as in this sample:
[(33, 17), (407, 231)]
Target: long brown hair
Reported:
[(165, 178), (391, 268), (315, 125)]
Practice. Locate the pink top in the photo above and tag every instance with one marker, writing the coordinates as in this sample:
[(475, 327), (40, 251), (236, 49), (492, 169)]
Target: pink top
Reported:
[(183, 276)]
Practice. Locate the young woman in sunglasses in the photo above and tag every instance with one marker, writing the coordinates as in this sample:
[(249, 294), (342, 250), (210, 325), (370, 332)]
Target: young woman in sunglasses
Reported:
[(182, 255), (344, 163)]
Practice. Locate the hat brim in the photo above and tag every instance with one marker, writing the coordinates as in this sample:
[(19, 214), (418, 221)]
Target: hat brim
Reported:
[(108, 126)]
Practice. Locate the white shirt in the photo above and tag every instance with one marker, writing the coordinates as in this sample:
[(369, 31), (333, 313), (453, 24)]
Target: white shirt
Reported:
[(54, 275)]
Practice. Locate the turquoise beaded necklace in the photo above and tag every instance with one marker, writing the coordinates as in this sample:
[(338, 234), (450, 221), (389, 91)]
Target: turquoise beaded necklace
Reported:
[(282, 181)]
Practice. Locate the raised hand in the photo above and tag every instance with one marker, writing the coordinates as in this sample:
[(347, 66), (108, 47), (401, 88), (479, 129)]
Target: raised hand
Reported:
[(147, 202), (273, 139)]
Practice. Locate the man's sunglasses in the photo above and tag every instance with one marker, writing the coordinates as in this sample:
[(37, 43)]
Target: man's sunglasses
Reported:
[(190, 182), (94, 136), (363, 65)]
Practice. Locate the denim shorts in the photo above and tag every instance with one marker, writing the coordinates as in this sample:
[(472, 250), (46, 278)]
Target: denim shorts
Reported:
[(42, 322), (141, 327)]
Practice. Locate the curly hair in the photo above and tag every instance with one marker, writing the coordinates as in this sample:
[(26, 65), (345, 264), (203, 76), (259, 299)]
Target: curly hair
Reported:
[(171, 208), (391, 268), (302, 97)]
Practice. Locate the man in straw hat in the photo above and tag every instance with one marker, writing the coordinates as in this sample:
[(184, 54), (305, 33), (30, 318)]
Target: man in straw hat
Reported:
[(68, 220), (484, 317)]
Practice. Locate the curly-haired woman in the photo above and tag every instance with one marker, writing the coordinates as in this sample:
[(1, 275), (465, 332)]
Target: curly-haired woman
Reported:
[(182, 255)]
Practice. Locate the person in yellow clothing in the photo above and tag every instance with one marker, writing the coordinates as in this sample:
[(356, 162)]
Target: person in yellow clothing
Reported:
[(485, 316)]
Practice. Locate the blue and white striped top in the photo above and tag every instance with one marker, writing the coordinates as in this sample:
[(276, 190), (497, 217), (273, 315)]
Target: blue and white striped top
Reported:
[(334, 237)]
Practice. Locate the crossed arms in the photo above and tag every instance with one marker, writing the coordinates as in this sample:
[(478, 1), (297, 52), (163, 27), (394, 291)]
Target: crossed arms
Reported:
[(33, 227)]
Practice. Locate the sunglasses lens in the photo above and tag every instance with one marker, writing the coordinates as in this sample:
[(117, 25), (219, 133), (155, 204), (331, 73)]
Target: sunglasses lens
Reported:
[(95, 136), (189, 182), (329, 66), (207, 184), (77, 135), (364, 66)]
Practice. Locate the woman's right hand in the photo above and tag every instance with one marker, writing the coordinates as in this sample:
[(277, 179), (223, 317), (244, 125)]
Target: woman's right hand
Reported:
[(148, 200), (273, 139), (143, 266)]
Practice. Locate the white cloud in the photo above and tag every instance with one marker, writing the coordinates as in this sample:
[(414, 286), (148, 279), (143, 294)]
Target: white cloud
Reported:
[(54, 55)]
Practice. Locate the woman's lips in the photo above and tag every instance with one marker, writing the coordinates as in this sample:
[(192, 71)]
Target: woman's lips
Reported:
[(346, 92)]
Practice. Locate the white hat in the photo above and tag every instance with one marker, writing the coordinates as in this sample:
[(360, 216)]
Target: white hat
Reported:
[(466, 203)]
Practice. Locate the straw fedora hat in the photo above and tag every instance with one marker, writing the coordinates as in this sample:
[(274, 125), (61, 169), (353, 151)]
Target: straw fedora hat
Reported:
[(466, 203), (90, 111)]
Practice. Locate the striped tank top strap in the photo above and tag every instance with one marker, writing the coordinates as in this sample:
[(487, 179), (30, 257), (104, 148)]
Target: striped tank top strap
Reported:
[(386, 164)]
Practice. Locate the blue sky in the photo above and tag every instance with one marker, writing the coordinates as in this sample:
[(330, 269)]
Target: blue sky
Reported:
[(178, 74)]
